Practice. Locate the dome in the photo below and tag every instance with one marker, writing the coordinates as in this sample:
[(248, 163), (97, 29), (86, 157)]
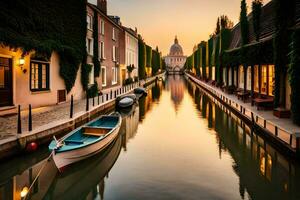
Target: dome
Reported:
[(176, 49)]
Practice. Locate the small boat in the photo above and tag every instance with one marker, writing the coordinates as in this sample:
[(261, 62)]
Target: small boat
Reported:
[(85, 141), (126, 102), (140, 90)]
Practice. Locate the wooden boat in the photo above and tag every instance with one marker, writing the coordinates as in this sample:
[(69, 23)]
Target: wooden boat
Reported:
[(140, 91), (126, 102), (77, 182), (86, 141)]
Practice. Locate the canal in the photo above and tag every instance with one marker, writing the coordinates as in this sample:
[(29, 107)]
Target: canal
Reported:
[(177, 144)]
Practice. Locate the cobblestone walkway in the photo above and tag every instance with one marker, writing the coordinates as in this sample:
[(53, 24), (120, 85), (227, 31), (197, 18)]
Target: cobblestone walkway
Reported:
[(40, 116), (44, 115)]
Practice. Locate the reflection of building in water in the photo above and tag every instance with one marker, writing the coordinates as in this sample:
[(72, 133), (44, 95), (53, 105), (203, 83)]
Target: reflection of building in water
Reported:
[(130, 125), (176, 86)]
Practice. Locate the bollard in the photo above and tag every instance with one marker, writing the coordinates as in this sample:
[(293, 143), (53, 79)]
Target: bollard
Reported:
[(87, 103), (19, 120), (29, 119), (71, 108)]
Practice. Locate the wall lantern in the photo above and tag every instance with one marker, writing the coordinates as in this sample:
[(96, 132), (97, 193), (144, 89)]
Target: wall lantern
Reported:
[(24, 192), (21, 61), (21, 64)]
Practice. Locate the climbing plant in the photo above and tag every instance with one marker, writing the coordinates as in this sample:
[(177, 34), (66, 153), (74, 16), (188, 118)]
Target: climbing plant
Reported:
[(96, 46), (284, 18), (45, 26), (294, 74)]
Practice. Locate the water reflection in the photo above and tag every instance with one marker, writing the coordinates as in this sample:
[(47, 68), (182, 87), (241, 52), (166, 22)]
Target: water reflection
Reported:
[(175, 84), (263, 172), (84, 180), (179, 143)]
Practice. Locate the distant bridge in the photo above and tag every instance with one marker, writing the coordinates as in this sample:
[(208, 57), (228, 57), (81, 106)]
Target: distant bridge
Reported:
[(175, 70)]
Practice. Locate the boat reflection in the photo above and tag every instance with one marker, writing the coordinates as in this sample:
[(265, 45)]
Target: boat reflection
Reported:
[(84, 180)]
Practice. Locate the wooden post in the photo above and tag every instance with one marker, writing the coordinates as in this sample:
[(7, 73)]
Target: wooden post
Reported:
[(98, 99), (276, 131), (19, 120), (29, 119), (93, 101), (87, 103), (71, 109)]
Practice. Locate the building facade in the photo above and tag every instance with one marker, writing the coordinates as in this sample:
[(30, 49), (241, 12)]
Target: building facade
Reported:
[(110, 46), (131, 54), (175, 60)]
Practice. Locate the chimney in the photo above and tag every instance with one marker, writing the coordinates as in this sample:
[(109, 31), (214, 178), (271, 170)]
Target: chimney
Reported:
[(102, 5)]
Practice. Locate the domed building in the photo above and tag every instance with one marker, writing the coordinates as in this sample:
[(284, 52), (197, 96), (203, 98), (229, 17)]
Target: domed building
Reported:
[(175, 60)]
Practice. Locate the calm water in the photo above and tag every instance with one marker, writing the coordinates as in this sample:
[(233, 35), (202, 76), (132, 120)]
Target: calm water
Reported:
[(177, 144)]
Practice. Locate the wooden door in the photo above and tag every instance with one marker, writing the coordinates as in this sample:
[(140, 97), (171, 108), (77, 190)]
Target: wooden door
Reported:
[(6, 82)]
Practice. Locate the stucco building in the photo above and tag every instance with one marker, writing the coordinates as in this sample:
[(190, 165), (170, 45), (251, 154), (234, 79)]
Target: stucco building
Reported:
[(131, 54)]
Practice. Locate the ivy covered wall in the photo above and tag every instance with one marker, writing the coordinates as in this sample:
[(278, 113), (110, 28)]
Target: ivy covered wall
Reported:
[(294, 74), (45, 26)]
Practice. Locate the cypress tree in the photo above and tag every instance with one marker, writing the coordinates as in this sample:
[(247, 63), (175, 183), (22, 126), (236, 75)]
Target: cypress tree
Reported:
[(142, 59), (256, 12), (244, 23)]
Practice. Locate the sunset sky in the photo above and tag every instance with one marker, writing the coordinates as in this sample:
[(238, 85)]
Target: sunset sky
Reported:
[(158, 21)]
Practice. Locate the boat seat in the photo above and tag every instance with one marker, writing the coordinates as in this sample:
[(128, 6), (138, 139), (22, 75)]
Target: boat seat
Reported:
[(73, 142), (96, 131)]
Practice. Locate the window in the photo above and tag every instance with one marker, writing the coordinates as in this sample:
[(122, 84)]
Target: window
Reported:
[(249, 76), (102, 26), (101, 50), (91, 75), (271, 80), (89, 46), (113, 34), (256, 83), (39, 76), (114, 53), (241, 77), (89, 20), (114, 75), (264, 79), (103, 76)]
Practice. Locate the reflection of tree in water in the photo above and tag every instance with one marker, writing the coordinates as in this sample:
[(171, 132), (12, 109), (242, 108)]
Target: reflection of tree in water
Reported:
[(146, 103), (176, 86), (156, 91), (263, 172)]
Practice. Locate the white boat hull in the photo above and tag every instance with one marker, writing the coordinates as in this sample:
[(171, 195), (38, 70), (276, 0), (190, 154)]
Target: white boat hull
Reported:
[(63, 159)]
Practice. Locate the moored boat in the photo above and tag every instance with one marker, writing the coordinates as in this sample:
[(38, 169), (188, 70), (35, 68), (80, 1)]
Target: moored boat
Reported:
[(85, 141), (140, 91)]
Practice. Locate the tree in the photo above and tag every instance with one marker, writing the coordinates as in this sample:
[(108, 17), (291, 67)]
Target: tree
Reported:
[(142, 59), (218, 28), (244, 23), (256, 12), (225, 22)]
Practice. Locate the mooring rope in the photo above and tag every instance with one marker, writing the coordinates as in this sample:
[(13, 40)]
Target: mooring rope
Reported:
[(38, 174)]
